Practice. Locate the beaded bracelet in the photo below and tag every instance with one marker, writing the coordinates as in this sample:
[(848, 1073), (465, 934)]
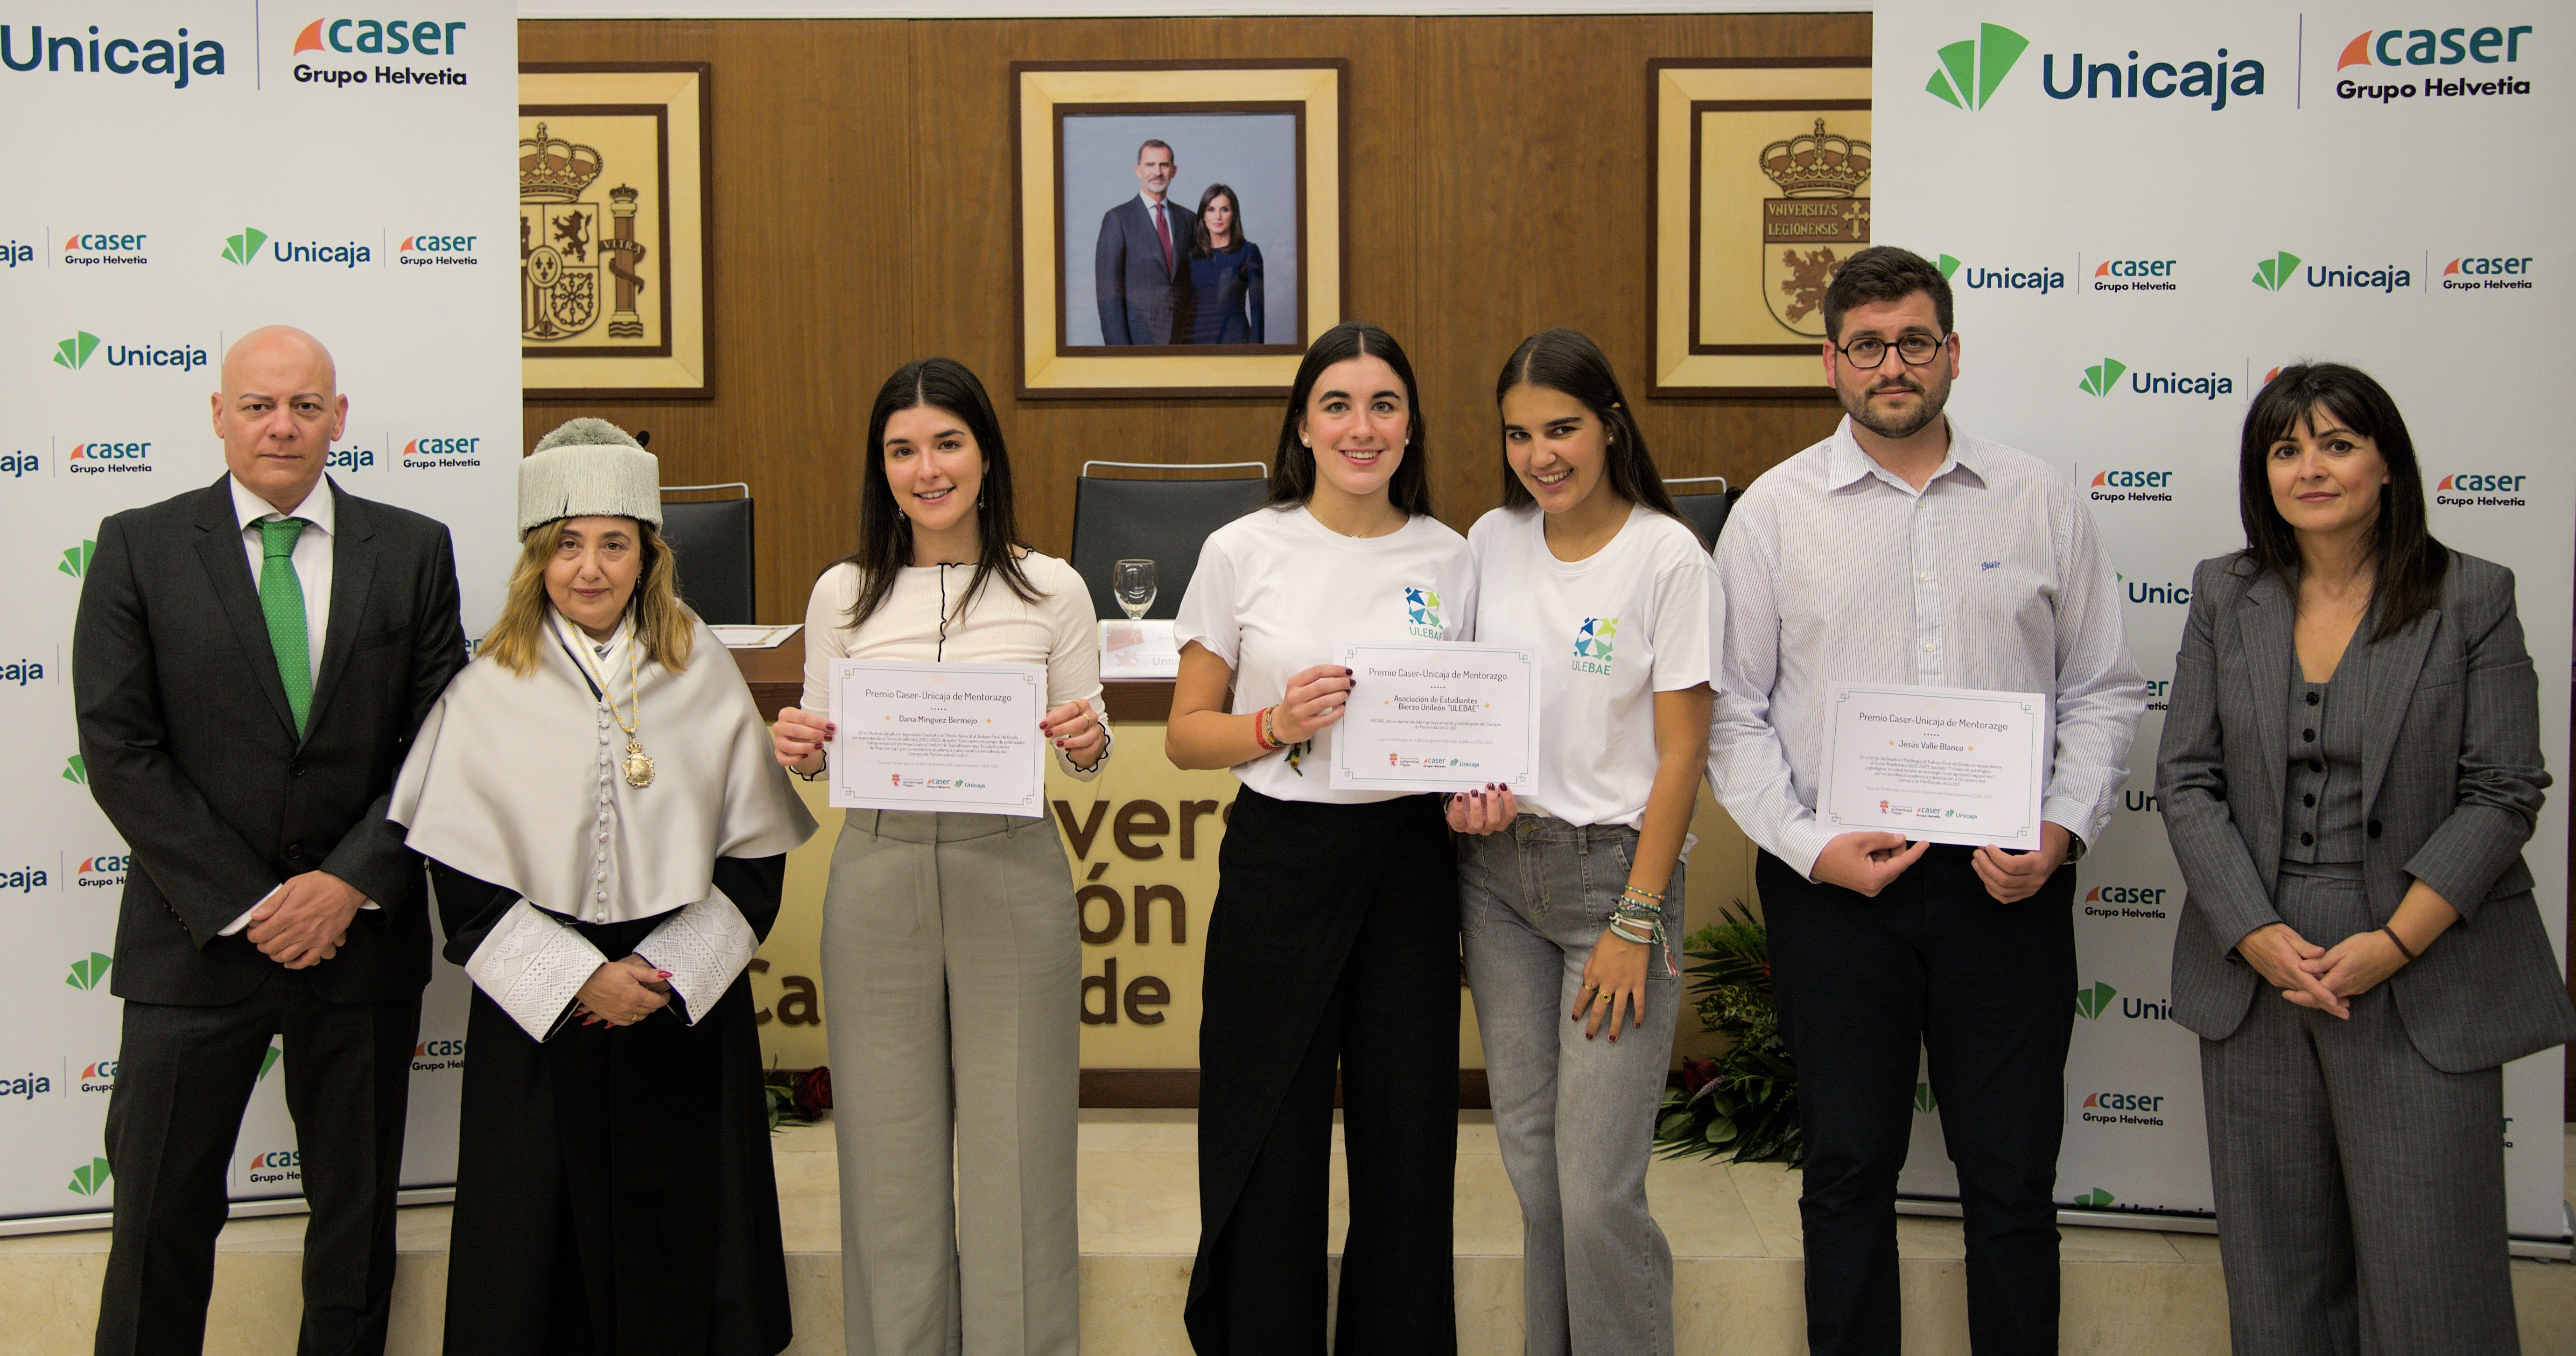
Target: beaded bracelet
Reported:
[(1262, 734), (1642, 923)]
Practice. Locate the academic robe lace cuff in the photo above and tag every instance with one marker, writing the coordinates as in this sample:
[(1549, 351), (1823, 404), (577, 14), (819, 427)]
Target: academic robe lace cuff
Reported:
[(533, 965), (703, 946)]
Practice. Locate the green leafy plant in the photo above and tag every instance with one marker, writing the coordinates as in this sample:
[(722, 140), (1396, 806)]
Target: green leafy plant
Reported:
[(1743, 1105)]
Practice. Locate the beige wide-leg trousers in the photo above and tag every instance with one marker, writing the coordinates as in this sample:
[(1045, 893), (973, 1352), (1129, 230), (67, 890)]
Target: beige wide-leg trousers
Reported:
[(951, 967)]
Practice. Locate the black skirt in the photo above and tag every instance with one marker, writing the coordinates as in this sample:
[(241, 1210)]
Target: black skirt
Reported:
[(614, 1191)]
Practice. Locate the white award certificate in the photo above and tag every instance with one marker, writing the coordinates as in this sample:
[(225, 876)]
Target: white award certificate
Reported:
[(1430, 715), (938, 737), (1947, 764)]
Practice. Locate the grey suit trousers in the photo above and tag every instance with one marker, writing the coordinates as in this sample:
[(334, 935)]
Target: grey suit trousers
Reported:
[(951, 974), (2361, 1202)]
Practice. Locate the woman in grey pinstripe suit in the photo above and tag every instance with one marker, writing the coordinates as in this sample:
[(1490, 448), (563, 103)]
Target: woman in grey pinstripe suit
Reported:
[(2351, 765)]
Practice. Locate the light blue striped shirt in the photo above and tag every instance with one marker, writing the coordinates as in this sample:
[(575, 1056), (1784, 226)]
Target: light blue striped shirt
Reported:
[(1833, 569)]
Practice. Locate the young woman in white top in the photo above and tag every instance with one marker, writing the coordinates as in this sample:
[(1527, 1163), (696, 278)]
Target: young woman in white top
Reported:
[(1333, 941), (1573, 897), (951, 968)]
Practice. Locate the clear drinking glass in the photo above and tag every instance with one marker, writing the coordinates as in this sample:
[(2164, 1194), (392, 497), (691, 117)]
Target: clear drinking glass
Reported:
[(1132, 582)]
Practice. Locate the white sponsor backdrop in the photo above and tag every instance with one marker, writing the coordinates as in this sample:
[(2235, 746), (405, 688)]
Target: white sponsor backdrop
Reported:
[(147, 221), (2128, 271)]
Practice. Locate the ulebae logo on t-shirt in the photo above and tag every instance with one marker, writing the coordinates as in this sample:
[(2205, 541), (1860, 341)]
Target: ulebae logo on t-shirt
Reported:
[(1592, 644), (1422, 613)]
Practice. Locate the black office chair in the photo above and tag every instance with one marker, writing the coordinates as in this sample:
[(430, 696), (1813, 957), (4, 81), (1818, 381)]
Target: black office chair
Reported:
[(1164, 521), (1706, 510), (712, 539)]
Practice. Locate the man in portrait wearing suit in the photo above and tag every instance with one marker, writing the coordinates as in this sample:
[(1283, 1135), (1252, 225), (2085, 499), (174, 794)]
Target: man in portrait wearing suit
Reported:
[(250, 664), (1142, 262)]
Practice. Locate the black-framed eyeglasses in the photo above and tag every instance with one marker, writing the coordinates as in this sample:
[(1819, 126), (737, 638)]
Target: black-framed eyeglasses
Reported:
[(1868, 351)]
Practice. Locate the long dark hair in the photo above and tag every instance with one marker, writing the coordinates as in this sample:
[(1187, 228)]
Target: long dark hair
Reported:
[(1292, 470), (885, 534), (1204, 244), (2407, 564), (1568, 361)]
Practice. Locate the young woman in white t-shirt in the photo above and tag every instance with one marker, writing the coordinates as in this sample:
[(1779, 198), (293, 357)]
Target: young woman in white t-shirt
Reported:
[(951, 967), (1572, 897), (1333, 944)]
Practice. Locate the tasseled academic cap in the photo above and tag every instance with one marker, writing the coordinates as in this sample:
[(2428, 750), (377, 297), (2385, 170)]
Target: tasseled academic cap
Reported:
[(587, 468)]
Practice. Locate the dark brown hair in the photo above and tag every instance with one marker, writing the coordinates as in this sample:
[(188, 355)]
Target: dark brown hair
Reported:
[(1203, 244), (885, 534), (1568, 361), (2407, 563), (1883, 273), (1292, 468)]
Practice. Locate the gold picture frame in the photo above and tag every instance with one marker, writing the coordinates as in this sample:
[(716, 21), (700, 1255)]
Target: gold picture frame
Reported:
[(614, 256), (1760, 189), (1293, 113)]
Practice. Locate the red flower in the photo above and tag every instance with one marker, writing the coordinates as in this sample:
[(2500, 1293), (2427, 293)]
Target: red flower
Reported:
[(813, 1092), (1696, 1074)]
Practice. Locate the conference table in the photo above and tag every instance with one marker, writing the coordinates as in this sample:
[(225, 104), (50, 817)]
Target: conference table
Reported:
[(1142, 841)]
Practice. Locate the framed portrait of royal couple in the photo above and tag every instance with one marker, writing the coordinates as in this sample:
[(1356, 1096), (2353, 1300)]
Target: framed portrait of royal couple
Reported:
[(1179, 224)]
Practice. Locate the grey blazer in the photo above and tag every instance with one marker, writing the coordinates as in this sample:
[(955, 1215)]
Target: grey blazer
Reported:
[(1139, 298), (2451, 758)]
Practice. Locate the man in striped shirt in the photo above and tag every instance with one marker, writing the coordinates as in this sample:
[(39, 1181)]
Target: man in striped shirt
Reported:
[(1905, 550)]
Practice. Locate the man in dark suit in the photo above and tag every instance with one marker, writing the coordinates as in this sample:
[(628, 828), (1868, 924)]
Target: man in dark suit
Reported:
[(250, 664), (1142, 262)]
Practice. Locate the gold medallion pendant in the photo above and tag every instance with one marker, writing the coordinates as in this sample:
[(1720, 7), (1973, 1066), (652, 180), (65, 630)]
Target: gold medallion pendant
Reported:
[(639, 766)]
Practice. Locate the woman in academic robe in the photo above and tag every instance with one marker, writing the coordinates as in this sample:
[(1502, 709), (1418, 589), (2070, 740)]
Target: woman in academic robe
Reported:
[(607, 834)]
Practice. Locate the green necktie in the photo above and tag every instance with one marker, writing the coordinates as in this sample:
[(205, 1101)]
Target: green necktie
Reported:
[(281, 601)]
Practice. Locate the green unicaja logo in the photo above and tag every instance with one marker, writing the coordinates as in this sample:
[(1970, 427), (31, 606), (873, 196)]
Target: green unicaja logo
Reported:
[(2096, 1199), (74, 352), (75, 561), (1924, 1100), (2100, 379), (87, 1180), (267, 1061), (76, 770), (1971, 70), (2275, 273), (241, 249), (1949, 266), (87, 973), (2095, 1001)]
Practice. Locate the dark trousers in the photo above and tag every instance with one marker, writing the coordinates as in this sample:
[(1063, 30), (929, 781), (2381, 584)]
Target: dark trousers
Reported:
[(1986, 989), (184, 1075), (1333, 944)]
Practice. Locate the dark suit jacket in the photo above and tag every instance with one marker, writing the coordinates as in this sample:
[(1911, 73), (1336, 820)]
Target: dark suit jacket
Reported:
[(192, 750), (2453, 781), (1139, 298)]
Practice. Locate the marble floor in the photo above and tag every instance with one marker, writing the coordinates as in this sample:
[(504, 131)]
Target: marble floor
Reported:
[(1734, 1232)]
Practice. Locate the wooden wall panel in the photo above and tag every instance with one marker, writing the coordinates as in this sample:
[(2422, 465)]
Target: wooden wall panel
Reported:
[(1496, 179)]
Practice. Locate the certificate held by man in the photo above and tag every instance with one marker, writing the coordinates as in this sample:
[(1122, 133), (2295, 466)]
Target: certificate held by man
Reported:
[(1938, 764), (960, 737), (1436, 716)]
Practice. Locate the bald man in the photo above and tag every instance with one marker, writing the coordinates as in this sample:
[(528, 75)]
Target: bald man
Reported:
[(250, 664)]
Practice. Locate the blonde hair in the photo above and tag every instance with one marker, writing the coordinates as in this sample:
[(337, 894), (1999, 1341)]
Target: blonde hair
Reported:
[(661, 621)]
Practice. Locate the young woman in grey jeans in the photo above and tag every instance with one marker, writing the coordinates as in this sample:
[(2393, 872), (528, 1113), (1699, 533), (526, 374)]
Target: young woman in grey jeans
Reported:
[(1571, 899)]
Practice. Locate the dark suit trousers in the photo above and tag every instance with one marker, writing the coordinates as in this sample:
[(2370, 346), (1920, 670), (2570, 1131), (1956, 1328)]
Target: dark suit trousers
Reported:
[(1987, 990), (2361, 1194), (183, 1078)]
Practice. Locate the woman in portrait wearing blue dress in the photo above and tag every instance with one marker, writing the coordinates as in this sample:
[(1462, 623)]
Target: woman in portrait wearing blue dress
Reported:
[(1224, 305)]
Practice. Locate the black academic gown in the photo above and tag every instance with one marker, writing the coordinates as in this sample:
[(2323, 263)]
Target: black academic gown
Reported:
[(614, 1193)]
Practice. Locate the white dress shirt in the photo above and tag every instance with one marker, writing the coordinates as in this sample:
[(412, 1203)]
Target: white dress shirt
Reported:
[(1991, 576), (312, 561)]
